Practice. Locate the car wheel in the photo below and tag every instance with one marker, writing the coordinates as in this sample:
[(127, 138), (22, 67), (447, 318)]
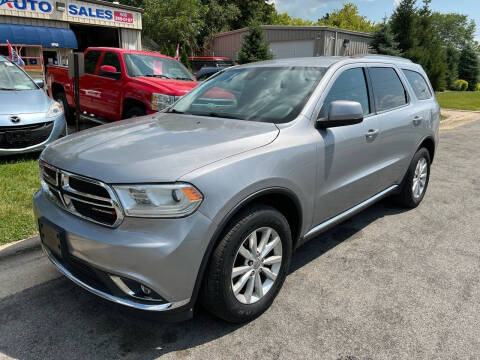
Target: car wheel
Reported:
[(249, 265), (416, 180), (67, 110), (134, 112)]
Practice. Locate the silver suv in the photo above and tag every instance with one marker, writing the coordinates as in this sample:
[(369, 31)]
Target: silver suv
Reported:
[(209, 199)]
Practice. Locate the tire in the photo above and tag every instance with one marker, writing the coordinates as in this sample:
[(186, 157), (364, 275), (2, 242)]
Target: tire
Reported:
[(134, 112), (67, 110), (218, 295), (408, 197)]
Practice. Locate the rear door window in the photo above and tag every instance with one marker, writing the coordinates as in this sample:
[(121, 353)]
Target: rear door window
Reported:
[(418, 83), (388, 90), (91, 60), (351, 86)]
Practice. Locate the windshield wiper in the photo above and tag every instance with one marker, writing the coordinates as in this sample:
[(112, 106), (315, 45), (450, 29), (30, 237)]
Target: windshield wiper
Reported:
[(8, 89), (174, 111), (183, 78), (157, 75), (214, 114)]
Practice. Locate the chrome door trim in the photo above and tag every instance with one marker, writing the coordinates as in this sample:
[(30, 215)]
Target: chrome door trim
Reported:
[(350, 212)]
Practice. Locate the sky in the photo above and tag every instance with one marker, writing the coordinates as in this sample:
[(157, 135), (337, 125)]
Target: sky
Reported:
[(374, 9)]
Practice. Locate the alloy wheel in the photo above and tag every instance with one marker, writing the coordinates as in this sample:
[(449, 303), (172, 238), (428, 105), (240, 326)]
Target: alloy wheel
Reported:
[(256, 265), (420, 178)]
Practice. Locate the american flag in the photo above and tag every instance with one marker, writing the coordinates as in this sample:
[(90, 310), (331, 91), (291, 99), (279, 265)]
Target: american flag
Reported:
[(14, 56)]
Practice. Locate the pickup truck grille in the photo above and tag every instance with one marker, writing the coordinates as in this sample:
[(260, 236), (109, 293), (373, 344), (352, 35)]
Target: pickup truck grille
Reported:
[(22, 136), (87, 198)]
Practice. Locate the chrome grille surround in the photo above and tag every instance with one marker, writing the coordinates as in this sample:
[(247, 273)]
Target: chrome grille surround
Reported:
[(56, 184)]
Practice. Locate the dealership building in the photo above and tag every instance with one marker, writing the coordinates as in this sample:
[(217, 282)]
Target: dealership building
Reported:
[(44, 32), (297, 41)]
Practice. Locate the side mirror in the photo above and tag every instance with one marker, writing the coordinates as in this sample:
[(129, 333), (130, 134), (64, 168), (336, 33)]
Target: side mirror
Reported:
[(109, 71), (341, 113), (40, 83)]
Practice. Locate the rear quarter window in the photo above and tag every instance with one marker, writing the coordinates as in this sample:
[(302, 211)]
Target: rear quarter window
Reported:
[(418, 84), (388, 89)]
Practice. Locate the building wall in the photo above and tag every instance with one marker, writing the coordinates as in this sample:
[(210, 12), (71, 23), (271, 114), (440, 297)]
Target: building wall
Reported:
[(94, 13), (324, 41), (131, 39)]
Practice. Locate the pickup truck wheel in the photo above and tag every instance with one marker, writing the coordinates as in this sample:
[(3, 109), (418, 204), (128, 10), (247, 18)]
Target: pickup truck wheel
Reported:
[(248, 266), (67, 110), (416, 180), (134, 112)]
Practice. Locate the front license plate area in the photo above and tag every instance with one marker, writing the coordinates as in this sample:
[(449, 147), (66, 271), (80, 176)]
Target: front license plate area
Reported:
[(52, 237)]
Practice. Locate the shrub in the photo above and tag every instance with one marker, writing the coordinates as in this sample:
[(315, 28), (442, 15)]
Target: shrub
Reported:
[(460, 85), (478, 87)]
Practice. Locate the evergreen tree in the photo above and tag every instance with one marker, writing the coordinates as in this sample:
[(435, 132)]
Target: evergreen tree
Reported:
[(383, 41), (452, 67), (254, 47), (403, 24), (184, 58), (427, 48), (468, 67)]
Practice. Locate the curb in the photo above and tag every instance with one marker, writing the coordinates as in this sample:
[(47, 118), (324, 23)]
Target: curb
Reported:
[(19, 247)]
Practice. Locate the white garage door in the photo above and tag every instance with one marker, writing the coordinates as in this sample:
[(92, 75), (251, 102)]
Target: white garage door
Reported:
[(290, 49)]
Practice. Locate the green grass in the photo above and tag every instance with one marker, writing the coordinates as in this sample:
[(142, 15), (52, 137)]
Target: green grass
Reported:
[(18, 181), (459, 100)]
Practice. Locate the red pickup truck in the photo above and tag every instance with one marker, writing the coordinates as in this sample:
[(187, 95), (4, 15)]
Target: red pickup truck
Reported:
[(120, 84)]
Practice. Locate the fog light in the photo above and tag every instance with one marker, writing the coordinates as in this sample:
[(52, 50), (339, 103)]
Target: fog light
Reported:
[(145, 290)]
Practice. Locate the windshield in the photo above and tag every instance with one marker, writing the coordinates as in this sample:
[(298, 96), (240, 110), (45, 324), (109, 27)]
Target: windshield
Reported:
[(155, 66), (13, 78), (268, 94)]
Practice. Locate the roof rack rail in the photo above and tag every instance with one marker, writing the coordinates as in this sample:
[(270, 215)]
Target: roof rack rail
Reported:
[(382, 57)]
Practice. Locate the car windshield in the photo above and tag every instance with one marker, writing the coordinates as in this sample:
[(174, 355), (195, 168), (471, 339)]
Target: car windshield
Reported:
[(155, 66), (13, 78), (268, 94)]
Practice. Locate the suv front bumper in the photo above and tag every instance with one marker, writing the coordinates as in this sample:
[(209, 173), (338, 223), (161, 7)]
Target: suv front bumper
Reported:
[(162, 254)]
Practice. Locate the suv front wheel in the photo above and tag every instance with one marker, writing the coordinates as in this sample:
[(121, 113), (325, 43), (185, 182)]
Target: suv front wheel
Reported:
[(249, 265)]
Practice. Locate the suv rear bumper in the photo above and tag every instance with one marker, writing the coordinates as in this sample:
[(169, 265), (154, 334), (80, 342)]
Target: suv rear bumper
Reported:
[(162, 254)]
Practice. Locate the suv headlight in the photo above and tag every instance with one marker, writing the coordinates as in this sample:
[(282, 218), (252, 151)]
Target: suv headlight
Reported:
[(55, 109), (174, 200), (161, 101)]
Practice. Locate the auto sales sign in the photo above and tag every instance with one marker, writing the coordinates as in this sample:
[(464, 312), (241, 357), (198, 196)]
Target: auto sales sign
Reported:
[(94, 12), (35, 6)]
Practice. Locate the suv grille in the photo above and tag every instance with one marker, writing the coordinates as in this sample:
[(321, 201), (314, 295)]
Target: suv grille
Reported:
[(22, 136), (87, 198)]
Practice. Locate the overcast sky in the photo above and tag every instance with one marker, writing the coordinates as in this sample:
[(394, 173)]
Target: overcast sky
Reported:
[(374, 9)]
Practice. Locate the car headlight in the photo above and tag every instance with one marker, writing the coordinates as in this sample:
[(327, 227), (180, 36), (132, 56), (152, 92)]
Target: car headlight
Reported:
[(161, 101), (55, 109), (173, 200)]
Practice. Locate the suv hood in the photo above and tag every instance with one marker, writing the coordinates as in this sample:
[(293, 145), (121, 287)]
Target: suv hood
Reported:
[(158, 148), (166, 86), (14, 102)]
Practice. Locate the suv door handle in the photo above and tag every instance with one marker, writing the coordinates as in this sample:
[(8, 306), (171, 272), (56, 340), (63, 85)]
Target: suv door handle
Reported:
[(372, 133), (417, 120)]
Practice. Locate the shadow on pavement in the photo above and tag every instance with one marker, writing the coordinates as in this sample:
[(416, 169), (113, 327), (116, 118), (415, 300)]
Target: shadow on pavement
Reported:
[(58, 319)]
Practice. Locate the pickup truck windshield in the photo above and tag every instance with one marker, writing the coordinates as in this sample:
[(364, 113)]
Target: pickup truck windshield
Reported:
[(155, 66), (268, 94), (13, 78)]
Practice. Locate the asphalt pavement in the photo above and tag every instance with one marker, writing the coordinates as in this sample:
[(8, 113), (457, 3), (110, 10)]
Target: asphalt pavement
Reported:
[(386, 284)]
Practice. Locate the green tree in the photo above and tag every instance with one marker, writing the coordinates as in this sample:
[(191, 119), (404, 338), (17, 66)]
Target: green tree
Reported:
[(286, 19), (455, 30), (254, 47), (468, 67), (184, 58), (178, 21), (165, 49), (402, 23), (451, 74), (219, 17), (259, 11), (383, 41), (427, 48), (348, 18)]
